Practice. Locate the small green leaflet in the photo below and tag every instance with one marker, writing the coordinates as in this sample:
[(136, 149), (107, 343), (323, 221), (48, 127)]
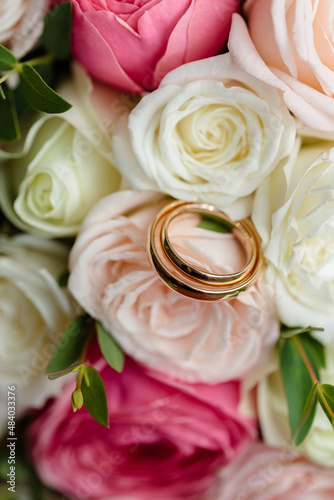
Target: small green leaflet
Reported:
[(21, 103), (7, 60), (9, 123), (297, 381), (56, 36), (94, 396), (70, 346), (39, 95), (212, 223), (111, 351)]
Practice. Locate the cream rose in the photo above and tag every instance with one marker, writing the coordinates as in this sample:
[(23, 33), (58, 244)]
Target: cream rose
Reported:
[(51, 179), (21, 24), (112, 278), (33, 313), (294, 215), (289, 44), (209, 133), (274, 417)]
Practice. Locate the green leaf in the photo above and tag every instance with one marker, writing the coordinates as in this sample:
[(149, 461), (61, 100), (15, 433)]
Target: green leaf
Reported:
[(38, 94), (56, 36), (296, 378), (325, 394), (287, 333), (111, 351), (307, 416), (70, 345), (9, 123), (94, 395), (21, 103), (2, 94), (297, 382), (7, 60), (212, 223)]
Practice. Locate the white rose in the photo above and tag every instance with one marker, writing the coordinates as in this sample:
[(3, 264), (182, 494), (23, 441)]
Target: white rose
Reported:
[(209, 133), (21, 24), (274, 417), (34, 311), (294, 215), (51, 179)]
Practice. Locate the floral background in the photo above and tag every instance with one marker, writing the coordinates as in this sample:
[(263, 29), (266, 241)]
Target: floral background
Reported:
[(113, 385)]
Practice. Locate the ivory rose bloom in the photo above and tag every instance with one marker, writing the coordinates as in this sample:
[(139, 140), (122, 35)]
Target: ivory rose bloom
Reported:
[(274, 417), (209, 133), (21, 24), (34, 311), (132, 45), (289, 44), (112, 278), (64, 164), (166, 439), (294, 215), (264, 473)]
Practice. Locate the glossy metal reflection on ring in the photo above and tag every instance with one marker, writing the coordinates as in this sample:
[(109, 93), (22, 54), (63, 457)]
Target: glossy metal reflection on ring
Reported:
[(190, 280)]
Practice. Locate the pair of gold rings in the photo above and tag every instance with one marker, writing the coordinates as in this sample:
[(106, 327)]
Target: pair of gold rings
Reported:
[(190, 280)]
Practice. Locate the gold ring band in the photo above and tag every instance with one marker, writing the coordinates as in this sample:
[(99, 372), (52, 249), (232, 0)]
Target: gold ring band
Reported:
[(190, 280)]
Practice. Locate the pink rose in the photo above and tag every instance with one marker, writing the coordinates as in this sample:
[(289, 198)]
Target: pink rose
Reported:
[(112, 278), (264, 473), (289, 44), (132, 45), (165, 439)]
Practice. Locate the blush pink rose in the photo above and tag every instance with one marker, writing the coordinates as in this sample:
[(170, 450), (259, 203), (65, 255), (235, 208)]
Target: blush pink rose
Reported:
[(132, 45), (264, 473), (165, 439), (113, 280), (290, 44)]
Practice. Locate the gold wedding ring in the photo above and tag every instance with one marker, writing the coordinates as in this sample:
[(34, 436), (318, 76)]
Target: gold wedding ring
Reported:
[(190, 280)]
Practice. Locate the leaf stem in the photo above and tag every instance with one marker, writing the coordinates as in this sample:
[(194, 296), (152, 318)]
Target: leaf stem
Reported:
[(7, 75), (304, 357), (37, 61), (82, 360), (84, 351), (80, 375)]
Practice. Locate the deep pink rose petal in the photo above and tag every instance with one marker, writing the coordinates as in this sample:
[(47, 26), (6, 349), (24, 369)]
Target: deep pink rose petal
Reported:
[(133, 45), (166, 439), (88, 44)]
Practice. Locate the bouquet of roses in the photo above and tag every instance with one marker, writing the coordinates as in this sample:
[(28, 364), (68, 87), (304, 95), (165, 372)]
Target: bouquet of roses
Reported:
[(167, 249)]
